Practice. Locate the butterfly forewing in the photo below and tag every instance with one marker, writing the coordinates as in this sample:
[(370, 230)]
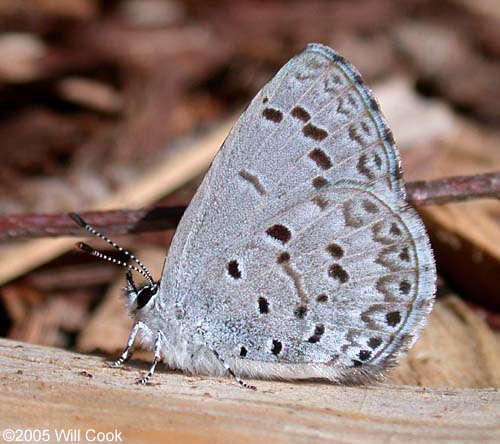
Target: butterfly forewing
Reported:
[(298, 248)]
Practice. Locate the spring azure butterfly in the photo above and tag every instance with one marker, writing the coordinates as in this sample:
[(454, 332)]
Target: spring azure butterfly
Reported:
[(298, 257)]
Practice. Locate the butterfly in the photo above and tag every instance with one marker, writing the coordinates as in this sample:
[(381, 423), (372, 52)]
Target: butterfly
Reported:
[(298, 257)]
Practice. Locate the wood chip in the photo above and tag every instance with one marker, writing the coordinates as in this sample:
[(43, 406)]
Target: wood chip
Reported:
[(91, 93)]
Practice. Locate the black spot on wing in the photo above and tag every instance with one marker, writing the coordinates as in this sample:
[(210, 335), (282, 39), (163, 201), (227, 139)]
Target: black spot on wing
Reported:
[(274, 115), (300, 311), (300, 113), (393, 318), (374, 105), (280, 233), (320, 158), (357, 79), (319, 182), (337, 272), (318, 332), (369, 206), (322, 298), (233, 269), (254, 181), (364, 355), (283, 257), (404, 287), (335, 250), (313, 132), (362, 167), (354, 136), (404, 255), (321, 202), (263, 305), (365, 127), (388, 137), (276, 347), (394, 230)]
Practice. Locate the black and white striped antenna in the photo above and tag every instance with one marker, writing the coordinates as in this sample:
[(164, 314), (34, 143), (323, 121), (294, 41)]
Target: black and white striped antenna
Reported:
[(90, 250)]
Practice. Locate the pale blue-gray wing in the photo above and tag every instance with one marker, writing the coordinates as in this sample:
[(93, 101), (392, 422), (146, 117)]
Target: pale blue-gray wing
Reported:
[(298, 248)]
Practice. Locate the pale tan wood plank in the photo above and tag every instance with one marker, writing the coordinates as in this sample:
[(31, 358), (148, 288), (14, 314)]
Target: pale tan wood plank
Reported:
[(46, 387), (456, 349)]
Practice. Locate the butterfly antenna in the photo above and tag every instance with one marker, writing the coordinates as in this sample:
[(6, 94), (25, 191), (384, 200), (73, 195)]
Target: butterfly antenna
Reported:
[(145, 272), (92, 251)]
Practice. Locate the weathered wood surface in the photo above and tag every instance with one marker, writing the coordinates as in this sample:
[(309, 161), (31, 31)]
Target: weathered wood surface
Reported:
[(50, 388)]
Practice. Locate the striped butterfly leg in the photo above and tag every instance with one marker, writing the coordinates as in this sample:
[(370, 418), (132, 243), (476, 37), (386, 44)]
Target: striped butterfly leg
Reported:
[(230, 370), (138, 326), (159, 338), (201, 332), (127, 352)]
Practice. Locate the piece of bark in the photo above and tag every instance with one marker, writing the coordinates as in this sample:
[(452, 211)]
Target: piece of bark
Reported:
[(77, 391), (48, 10), (414, 120), (487, 9), (17, 299), (108, 327), (453, 189)]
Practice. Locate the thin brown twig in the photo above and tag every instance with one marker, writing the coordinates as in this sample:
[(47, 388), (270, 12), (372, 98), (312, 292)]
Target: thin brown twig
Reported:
[(420, 193), (454, 189), (115, 222)]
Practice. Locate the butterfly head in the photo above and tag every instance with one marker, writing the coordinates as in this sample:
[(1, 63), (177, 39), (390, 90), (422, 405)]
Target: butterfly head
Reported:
[(142, 298)]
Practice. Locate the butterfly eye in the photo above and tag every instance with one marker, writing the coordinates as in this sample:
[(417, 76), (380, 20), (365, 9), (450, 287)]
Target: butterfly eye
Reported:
[(145, 294)]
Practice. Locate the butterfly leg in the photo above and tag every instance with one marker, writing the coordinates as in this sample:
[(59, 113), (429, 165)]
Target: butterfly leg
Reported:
[(130, 343), (159, 338), (230, 370)]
